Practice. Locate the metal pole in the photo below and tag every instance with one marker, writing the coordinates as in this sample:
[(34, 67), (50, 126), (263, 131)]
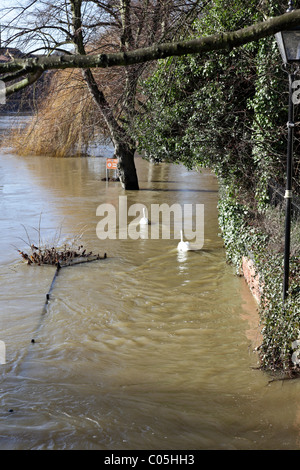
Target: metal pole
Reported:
[(288, 191)]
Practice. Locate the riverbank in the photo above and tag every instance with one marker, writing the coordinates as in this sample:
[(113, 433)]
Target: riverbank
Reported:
[(254, 247)]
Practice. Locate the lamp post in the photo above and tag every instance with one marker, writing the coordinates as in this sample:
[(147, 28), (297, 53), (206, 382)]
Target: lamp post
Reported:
[(289, 46)]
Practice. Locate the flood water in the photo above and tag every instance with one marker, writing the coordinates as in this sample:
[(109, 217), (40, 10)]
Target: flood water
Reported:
[(147, 349)]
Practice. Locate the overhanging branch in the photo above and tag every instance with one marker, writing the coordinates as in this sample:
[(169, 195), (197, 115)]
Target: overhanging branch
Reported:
[(221, 41), (32, 78)]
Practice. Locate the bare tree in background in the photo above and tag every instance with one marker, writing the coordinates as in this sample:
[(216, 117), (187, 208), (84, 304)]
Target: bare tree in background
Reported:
[(85, 27)]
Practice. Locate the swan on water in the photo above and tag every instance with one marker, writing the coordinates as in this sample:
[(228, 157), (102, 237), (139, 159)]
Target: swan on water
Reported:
[(183, 246), (144, 220)]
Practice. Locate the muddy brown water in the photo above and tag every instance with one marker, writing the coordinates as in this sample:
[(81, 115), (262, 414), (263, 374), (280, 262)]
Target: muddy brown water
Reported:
[(148, 349)]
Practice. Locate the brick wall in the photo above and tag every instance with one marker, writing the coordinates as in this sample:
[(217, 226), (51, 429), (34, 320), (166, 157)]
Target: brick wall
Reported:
[(252, 277)]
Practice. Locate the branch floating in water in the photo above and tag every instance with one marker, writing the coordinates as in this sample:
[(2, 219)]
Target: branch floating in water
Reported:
[(55, 257)]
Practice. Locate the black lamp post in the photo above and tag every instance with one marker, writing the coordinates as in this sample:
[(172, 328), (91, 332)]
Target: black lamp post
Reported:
[(289, 46)]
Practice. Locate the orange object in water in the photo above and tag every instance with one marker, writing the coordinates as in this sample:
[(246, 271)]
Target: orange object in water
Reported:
[(111, 163)]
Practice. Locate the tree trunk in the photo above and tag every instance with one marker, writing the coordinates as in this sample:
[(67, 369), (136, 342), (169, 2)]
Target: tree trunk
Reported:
[(126, 166), (123, 144)]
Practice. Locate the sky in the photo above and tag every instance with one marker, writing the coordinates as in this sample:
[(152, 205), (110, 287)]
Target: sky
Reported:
[(7, 13), (8, 9), (11, 15)]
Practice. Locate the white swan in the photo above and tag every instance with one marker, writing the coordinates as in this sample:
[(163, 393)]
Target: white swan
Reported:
[(144, 220), (2, 352), (183, 246)]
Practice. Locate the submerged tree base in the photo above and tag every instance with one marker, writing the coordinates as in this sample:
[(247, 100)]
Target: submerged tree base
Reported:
[(111, 178)]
